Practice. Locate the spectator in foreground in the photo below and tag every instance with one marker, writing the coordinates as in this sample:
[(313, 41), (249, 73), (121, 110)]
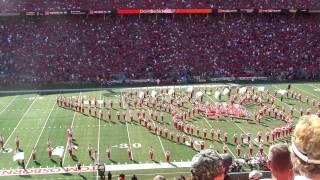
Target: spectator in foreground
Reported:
[(305, 147), (207, 165), (255, 175), (159, 177), (279, 162)]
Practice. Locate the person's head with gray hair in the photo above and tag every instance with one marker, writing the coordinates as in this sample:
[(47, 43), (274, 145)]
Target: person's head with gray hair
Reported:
[(207, 165), (255, 175), (159, 177), (279, 162)]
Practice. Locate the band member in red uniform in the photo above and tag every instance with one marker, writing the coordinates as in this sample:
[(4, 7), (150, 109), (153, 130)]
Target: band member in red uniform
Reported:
[(178, 138), (201, 145), (90, 150), (108, 151), (95, 155), (212, 134), (17, 143), (166, 133), (242, 137), (49, 152), (192, 143), (168, 155), (160, 131), (225, 137), (183, 138), (118, 115), (89, 110), (95, 111), (151, 153), (204, 133), (1, 142), (129, 153), (124, 115), (191, 128), (259, 134), (261, 149), (249, 137), (34, 154), (70, 150), (250, 149), (225, 149), (235, 138), (162, 117), (131, 117), (239, 150), (111, 104), (198, 131), (268, 136), (219, 133), (110, 116)]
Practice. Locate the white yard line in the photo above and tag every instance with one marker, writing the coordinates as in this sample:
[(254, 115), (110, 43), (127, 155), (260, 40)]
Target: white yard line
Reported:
[(21, 120), (127, 127), (65, 149), (42, 131), (306, 91), (8, 104), (164, 152), (99, 129)]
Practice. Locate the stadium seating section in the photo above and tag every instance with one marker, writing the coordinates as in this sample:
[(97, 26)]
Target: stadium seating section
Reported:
[(31, 5), (61, 49)]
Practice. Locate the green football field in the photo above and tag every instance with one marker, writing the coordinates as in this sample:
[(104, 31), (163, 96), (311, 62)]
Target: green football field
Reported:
[(35, 117)]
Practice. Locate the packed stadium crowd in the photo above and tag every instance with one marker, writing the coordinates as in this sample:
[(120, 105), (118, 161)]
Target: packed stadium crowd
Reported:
[(54, 5), (53, 50)]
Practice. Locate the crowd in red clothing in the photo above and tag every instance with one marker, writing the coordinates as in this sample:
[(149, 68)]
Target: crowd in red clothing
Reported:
[(65, 49), (55, 5)]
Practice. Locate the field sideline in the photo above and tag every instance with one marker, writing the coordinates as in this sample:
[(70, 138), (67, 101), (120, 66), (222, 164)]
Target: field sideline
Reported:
[(35, 117)]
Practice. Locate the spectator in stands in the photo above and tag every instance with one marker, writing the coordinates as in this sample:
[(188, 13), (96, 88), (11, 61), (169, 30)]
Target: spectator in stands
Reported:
[(207, 165), (279, 162), (306, 148), (255, 175)]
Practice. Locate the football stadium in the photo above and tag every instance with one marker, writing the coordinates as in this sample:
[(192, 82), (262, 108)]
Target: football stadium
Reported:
[(179, 89)]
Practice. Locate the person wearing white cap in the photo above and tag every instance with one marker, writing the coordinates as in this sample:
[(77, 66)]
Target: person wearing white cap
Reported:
[(305, 148)]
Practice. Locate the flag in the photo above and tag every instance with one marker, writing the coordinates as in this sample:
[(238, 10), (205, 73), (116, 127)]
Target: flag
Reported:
[(242, 90), (171, 91), (282, 91), (153, 93), (225, 91), (141, 94), (190, 89), (58, 151), (199, 93), (217, 94), (261, 88), (18, 156)]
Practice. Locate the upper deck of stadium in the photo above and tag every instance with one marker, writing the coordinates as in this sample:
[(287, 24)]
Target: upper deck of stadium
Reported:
[(52, 5)]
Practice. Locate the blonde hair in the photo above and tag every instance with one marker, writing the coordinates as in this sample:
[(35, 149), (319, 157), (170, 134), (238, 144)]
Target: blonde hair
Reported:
[(306, 138)]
